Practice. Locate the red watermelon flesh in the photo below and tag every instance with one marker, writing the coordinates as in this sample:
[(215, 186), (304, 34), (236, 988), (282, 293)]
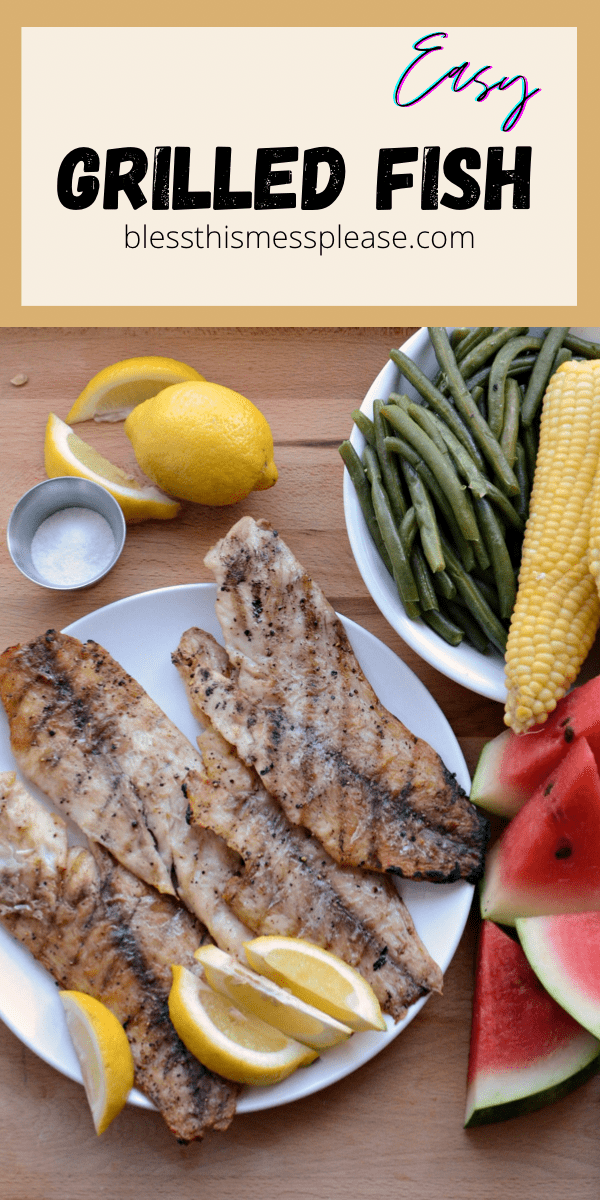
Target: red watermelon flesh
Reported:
[(525, 1049), (564, 951), (513, 765), (548, 858)]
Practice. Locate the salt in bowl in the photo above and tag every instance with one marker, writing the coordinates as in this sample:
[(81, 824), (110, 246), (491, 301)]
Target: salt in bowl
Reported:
[(82, 540)]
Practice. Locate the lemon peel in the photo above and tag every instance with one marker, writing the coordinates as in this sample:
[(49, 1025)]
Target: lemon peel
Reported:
[(229, 1042), (317, 977), (67, 454), (116, 390), (277, 1006), (203, 442), (104, 1055)]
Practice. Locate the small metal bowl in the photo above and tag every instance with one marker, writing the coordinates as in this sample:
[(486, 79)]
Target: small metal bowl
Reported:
[(47, 498)]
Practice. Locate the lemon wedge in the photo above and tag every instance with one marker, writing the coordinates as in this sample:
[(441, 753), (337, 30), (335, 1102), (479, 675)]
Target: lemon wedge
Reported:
[(118, 389), (317, 977), (228, 1041), (258, 995), (104, 1055), (67, 454)]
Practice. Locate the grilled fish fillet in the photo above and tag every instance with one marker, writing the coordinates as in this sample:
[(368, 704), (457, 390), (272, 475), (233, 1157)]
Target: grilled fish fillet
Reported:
[(92, 739), (289, 884), (99, 930), (296, 706)]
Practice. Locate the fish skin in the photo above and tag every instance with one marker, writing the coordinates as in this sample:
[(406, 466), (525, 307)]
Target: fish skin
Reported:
[(99, 747), (295, 703), (289, 885), (99, 930)]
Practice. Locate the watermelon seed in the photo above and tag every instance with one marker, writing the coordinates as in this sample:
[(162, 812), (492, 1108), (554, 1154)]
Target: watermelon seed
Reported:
[(548, 789), (564, 849), (569, 733)]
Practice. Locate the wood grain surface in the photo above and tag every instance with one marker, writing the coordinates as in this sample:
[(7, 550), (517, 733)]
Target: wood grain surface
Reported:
[(394, 1128)]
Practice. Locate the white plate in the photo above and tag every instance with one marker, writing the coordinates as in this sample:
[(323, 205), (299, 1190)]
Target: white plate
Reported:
[(141, 632), (481, 673)]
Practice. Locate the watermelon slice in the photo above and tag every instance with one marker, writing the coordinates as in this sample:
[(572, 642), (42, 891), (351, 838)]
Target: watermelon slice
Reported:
[(525, 1049), (564, 951), (548, 858), (513, 765)]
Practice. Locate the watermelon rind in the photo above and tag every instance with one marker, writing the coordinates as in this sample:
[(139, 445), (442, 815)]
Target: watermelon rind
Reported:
[(535, 936), (499, 1095), (488, 790)]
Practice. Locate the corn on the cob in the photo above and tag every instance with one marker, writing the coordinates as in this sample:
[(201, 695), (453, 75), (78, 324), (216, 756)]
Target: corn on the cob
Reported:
[(557, 610), (594, 543)]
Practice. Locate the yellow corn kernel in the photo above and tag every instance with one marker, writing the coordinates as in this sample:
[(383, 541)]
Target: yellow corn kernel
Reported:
[(557, 609)]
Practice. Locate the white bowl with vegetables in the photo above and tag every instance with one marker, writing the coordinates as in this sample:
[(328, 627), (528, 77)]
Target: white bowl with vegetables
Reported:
[(480, 666)]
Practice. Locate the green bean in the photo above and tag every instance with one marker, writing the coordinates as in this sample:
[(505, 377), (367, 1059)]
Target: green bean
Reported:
[(438, 465), (400, 446), (464, 402), (487, 349), (497, 379), (428, 526), (510, 428), (478, 395), (444, 585), (506, 508), (437, 402), (428, 601), (408, 530), (481, 555), (389, 471), (477, 482), (581, 347), (476, 336), (362, 488), (499, 556), (541, 373), (522, 500), (403, 575), (459, 334), (488, 591), (463, 619), (371, 464), (444, 627), (520, 366), (563, 355), (529, 437), (429, 423), (365, 425), (462, 460), (405, 450), (475, 602)]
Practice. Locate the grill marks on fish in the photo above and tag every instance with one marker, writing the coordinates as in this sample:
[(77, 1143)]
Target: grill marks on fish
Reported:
[(100, 930), (294, 701), (320, 788), (289, 884), (92, 739)]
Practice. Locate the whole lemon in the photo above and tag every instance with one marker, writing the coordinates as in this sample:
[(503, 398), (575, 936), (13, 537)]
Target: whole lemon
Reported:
[(203, 442)]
